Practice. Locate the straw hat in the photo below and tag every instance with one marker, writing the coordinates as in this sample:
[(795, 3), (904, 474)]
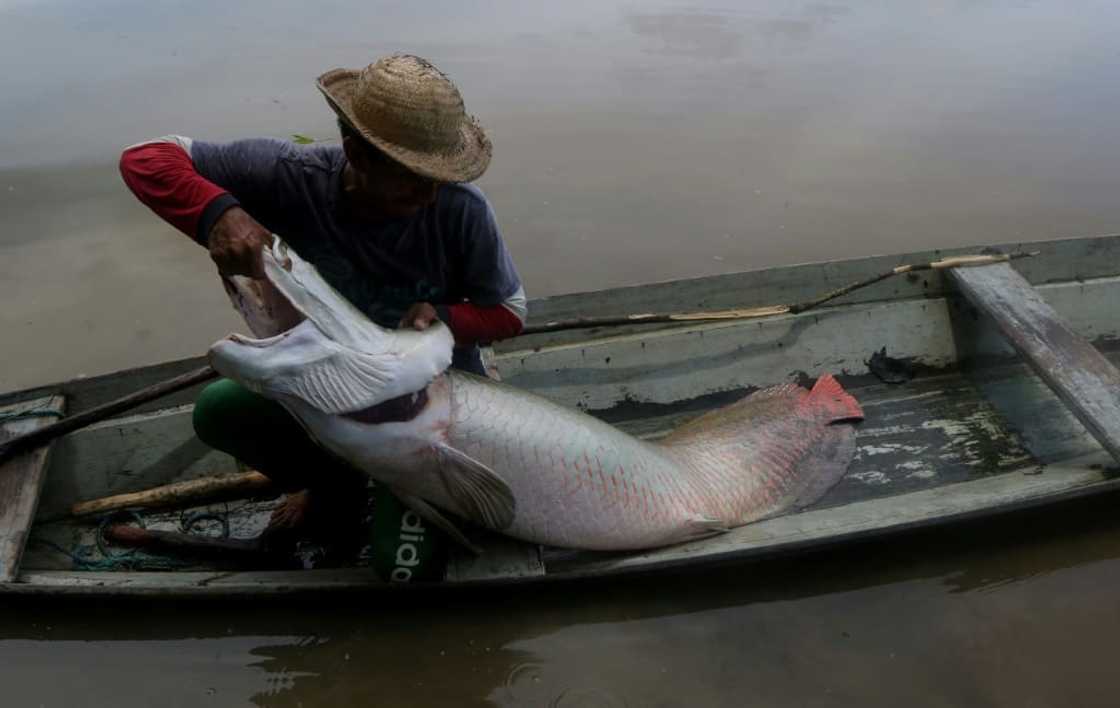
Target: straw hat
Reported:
[(412, 112)]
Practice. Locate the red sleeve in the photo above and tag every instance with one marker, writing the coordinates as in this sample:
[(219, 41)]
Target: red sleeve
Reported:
[(162, 176), (472, 323)]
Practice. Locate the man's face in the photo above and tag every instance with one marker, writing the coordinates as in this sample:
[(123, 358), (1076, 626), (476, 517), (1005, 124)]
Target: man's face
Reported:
[(387, 186)]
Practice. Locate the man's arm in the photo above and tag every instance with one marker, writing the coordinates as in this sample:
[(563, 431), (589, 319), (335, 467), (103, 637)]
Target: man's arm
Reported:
[(162, 175), (495, 307), (473, 323)]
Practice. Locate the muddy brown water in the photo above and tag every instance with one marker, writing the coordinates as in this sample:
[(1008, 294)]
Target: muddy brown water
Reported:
[(633, 142)]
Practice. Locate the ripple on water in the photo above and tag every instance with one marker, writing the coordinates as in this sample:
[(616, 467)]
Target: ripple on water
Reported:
[(587, 698), (525, 685)]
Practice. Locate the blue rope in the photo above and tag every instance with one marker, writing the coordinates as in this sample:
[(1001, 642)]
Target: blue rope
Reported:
[(123, 556), (132, 559)]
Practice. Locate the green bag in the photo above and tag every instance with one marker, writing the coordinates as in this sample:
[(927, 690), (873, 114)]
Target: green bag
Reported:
[(403, 547)]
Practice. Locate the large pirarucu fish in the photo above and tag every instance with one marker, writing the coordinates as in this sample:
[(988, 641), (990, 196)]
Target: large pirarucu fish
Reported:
[(512, 461)]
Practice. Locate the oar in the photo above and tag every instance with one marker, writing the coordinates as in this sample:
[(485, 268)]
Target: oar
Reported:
[(151, 393), (105, 410)]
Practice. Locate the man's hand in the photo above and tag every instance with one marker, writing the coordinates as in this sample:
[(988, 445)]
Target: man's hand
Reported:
[(236, 241), (420, 316)]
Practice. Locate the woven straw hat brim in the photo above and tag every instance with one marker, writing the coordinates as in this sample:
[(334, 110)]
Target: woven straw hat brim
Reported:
[(464, 164)]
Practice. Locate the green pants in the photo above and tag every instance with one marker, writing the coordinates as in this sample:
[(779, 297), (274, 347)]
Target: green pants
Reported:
[(264, 436)]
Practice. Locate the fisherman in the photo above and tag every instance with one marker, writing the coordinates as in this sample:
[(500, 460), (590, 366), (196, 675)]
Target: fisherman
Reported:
[(388, 218)]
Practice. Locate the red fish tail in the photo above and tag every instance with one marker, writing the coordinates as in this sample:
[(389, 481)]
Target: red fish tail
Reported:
[(828, 394)]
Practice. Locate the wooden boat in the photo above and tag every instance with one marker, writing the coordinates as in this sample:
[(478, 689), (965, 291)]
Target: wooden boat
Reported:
[(996, 408)]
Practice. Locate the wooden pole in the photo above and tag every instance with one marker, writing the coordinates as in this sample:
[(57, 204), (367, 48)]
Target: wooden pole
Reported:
[(177, 494), (769, 310), (182, 542)]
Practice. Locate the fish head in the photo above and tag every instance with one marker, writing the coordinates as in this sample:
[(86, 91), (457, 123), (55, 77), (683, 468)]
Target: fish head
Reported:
[(321, 350)]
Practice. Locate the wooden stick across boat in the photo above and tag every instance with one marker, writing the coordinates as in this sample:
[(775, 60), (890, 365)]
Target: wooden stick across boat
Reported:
[(104, 411), (771, 310), (187, 493)]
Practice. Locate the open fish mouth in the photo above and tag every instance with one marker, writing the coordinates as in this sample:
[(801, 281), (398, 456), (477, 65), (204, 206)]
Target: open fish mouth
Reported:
[(314, 346)]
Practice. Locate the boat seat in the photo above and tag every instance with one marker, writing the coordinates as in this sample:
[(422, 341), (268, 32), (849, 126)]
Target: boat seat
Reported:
[(1085, 381)]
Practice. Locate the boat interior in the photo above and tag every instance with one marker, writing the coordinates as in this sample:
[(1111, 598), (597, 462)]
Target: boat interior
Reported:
[(962, 420)]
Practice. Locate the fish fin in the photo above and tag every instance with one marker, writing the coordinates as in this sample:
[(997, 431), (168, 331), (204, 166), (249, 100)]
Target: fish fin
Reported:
[(341, 383), (435, 517), (823, 465), (483, 495), (700, 527), (827, 393), (729, 421)]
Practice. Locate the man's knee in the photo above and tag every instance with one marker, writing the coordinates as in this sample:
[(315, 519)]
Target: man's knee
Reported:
[(215, 411)]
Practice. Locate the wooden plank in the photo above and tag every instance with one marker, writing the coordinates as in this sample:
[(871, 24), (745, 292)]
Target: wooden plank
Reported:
[(195, 583), (1026, 404), (194, 492), (1080, 375), (21, 477)]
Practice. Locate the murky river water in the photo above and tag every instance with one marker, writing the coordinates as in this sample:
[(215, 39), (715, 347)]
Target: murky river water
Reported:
[(633, 142)]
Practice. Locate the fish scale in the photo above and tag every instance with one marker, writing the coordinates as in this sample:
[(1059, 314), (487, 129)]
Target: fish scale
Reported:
[(726, 468)]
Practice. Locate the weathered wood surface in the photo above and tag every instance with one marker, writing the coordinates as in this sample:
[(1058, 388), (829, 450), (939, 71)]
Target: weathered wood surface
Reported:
[(677, 364), (105, 411), (128, 454), (85, 393), (21, 478), (1026, 404), (1079, 374), (812, 529), (673, 364)]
